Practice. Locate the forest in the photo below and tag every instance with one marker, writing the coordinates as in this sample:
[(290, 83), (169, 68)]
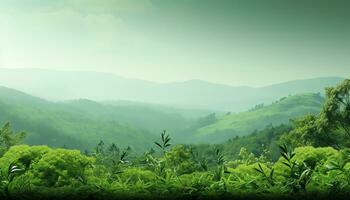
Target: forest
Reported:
[(307, 157), (174, 99)]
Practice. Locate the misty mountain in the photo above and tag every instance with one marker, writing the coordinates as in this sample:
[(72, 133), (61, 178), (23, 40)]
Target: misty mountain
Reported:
[(83, 123), (66, 85)]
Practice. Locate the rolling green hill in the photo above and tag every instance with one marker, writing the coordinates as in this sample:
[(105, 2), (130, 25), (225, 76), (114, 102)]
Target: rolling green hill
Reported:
[(141, 117), (188, 113), (244, 123), (83, 123)]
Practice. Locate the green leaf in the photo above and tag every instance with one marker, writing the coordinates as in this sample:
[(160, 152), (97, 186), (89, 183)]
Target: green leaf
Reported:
[(271, 173), (167, 145), (258, 170), (285, 156), (158, 144), (287, 164)]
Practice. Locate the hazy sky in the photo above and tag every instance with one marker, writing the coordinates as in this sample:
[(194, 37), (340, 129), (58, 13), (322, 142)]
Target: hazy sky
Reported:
[(242, 42)]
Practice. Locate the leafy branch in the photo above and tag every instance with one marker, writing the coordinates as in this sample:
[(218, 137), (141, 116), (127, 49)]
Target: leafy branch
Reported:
[(300, 174), (219, 157), (268, 177), (165, 141)]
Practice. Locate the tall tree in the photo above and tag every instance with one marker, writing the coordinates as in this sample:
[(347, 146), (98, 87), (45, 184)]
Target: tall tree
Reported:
[(8, 138), (336, 111)]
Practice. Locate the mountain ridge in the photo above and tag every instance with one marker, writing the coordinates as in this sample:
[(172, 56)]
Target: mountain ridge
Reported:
[(198, 94)]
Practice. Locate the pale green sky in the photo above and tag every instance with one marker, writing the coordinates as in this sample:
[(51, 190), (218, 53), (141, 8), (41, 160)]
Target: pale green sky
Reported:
[(246, 42)]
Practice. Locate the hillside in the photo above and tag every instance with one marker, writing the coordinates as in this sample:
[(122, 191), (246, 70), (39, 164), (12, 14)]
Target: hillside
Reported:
[(245, 123), (143, 117), (198, 94), (83, 123), (187, 113)]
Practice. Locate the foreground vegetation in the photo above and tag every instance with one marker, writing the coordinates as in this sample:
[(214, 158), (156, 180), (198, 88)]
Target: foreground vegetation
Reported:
[(309, 158)]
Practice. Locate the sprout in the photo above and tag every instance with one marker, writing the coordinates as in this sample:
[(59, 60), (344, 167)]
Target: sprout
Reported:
[(165, 141)]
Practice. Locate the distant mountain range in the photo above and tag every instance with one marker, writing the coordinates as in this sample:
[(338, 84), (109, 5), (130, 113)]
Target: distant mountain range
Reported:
[(67, 85), (83, 123)]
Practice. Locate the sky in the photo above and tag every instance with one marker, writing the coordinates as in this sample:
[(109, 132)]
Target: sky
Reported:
[(235, 42)]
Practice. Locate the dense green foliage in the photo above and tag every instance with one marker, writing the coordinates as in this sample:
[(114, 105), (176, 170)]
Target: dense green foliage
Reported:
[(39, 171), (331, 126), (8, 138), (309, 158), (260, 142)]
